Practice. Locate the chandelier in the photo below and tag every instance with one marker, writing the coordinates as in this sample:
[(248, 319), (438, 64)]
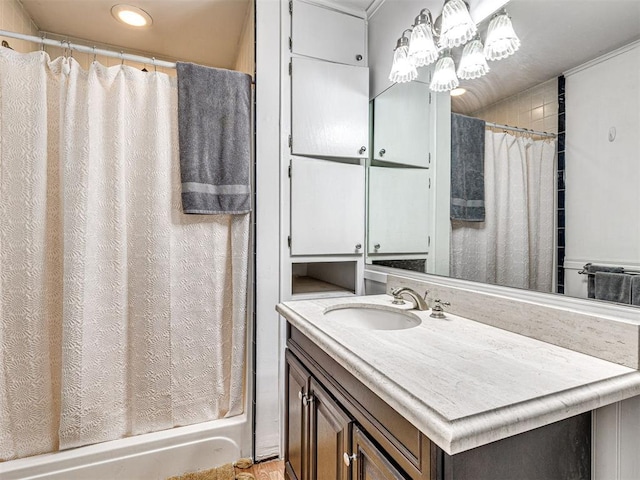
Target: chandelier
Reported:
[(426, 42)]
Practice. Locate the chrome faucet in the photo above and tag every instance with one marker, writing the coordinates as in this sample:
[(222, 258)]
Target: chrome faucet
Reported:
[(420, 303)]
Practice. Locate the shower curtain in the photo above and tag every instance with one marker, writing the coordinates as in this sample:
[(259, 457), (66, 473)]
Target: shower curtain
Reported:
[(119, 315), (514, 245)]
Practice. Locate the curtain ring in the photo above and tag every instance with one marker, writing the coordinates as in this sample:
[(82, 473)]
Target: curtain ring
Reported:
[(121, 58), (70, 49), (94, 53), (155, 68), (42, 37)]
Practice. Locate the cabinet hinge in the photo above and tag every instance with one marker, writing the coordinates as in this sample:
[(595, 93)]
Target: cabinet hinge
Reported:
[(290, 44), (289, 171), (429, 160), (290, 7), (290, 141), (429, 241), (429, 98), (429, 183), (290, 68), (289, 241)]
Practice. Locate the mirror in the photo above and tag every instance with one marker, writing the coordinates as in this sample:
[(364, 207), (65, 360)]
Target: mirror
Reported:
[(581, 198)]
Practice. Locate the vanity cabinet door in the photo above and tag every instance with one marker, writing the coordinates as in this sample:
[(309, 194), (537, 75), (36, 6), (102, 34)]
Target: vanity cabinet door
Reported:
[(296, 420), (327, 34), (329, 109), (371, 463), (327, 207), (330, 431)]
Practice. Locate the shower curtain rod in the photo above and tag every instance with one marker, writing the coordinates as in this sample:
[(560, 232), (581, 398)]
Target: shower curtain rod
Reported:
[(518, 129), (85, 49)]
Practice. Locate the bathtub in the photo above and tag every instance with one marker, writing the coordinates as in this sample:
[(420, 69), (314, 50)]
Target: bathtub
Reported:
[(150, 456)]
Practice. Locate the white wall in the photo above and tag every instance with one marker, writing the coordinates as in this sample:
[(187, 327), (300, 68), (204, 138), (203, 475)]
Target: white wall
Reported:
[(602, 175)]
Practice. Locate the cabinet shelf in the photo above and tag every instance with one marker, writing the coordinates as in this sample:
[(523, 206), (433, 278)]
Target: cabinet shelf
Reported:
[(309, 285), (323, 279)]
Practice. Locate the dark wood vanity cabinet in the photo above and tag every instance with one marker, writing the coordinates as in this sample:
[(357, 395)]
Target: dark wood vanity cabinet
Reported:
[(338, 429), (327, 430), (372, 464)]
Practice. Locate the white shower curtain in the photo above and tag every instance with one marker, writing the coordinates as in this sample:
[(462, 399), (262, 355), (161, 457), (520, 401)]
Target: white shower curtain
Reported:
[(119, 315), (514, 245)]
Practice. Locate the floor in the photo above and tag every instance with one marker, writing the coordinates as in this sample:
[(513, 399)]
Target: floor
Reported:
[(273, 470)]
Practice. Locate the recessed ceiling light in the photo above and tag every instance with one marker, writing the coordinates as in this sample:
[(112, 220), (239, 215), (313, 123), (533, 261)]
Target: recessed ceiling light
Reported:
[(456, 92), (130, 15)]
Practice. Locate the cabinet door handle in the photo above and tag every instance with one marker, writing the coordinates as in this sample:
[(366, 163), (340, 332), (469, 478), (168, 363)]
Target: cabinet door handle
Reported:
[(307, 399), (358, 246), (358, 57), (349, 458), (382, 152), (377, 246), (300, 395), (362, 149)]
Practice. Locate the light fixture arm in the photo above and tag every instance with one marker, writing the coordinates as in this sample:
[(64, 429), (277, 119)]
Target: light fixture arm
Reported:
[(403, 41), (424, 17)]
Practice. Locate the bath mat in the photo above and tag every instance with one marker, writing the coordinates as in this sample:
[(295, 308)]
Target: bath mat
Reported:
[(244, 463), (225, 472)]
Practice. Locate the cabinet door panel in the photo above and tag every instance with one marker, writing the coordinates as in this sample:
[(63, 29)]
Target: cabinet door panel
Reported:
[(329, 437), (329, 109), (297, 388), (327, 207), (327, 34), (371, 464), (399, 114), (398, 202)]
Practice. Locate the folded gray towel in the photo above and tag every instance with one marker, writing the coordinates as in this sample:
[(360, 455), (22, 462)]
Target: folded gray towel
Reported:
[(467, 168), (214, 130), (591, 281), (635, 290), (613, 287)]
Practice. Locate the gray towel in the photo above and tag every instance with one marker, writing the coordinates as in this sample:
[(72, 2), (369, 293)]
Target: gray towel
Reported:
[(591, 281), (214, 129), (613, 287), (635, 290), (467, 168)]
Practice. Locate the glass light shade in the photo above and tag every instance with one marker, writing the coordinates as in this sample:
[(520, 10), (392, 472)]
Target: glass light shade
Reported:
[(502, 40), (422, 48), (457, 26), (444, 78), (402, 70), (473, 64)]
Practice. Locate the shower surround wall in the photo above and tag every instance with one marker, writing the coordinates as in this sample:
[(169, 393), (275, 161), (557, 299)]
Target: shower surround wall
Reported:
[(14, 18), (535, 109), (153, 455)]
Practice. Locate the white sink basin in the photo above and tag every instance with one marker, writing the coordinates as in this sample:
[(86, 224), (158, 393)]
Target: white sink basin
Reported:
[(372, 318)]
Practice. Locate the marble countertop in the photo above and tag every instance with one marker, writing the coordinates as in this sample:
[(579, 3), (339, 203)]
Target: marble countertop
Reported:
[(463, 383)]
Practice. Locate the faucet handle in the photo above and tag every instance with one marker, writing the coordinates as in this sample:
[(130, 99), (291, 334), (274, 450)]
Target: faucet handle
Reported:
[(437, 311), (397, 297)]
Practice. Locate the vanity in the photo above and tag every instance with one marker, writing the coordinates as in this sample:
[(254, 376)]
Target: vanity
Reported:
[(382, 391)]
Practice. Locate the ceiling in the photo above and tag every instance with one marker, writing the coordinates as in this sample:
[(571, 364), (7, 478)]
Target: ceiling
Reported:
[(201, 31), (556, 36)]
